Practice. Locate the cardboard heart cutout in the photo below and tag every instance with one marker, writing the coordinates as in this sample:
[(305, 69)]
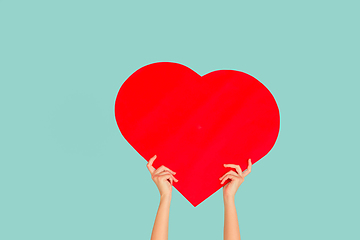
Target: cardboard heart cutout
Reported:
[(195, 124)]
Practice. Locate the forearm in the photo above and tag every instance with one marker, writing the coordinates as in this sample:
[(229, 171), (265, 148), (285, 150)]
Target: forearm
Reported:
[(161, 224), (231, 224)]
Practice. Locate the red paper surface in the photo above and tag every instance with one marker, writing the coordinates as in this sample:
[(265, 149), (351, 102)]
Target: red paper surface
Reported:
[(195, 124)]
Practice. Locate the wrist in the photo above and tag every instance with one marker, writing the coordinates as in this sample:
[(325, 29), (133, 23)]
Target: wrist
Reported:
[(229, 199), (165, 197)]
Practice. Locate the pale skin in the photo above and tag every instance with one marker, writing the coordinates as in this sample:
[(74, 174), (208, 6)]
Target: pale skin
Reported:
[(164, 177)]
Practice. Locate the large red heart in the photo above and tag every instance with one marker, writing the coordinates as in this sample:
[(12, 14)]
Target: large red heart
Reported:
[(195, 124)]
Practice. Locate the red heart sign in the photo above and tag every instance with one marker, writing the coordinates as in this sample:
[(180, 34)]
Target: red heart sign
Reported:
[(195, 124)]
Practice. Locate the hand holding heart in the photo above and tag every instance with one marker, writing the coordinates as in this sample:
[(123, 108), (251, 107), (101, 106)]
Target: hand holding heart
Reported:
[(163, 178), (237, 178)]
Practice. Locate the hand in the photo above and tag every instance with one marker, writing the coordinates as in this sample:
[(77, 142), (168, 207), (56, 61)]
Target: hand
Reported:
[(237, 178), (163, 178)]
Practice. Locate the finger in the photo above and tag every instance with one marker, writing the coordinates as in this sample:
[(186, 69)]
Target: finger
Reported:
[(171, 180), (231, 171), (229, 176), (167, 172), (232, 175), (150, 163), (237, 167), (163, 168), (168, 176), (248, 170)]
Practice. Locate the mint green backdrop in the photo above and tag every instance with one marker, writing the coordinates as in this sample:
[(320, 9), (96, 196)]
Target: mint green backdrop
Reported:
[(66, 172)]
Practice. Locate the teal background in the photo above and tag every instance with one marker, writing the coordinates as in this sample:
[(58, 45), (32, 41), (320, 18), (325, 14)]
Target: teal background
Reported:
[(66, 172)]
